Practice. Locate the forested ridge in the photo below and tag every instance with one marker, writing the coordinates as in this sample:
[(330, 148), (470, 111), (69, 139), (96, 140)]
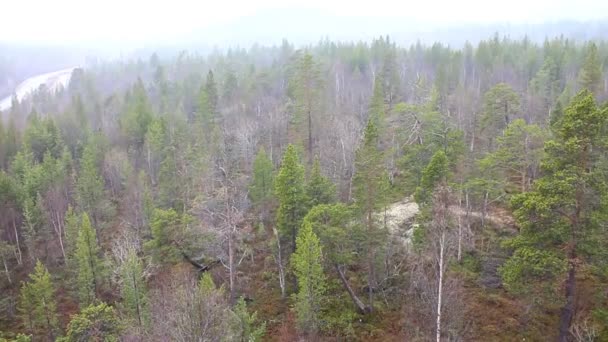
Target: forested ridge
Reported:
[(338, 191)]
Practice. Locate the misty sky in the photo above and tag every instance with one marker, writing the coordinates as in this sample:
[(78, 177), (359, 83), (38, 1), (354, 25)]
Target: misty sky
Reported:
[(62, 21)]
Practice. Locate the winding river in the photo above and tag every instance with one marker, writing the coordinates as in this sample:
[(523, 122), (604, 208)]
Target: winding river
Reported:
[(53, 80)]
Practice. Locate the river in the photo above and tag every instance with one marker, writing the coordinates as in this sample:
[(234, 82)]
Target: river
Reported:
[(53, 80)]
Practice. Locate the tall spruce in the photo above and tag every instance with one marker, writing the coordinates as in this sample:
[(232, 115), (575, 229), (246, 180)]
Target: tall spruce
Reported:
[(368, 184), (261, 189), (134, 290), (590, 75), (290, 192), (89, 263)]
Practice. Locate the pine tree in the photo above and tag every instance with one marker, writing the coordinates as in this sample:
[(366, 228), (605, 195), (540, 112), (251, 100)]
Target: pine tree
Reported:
[(38, 304), (590, 75), (289, 189), (319, 189), (134, 290), (561, 219), (306, 263), (305, 85), (517, 157), (89, 264)]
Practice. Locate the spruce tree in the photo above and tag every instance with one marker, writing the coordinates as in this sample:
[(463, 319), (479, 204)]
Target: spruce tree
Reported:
[(368, 184), (261, 189), (289, 189), (376, 106), (89, 264), (72, 226), (90, 184), (590, 75), (170, 236), (306, 263), (319, 189), (134, 290), (435, 172), (38, 304), (247, 327)]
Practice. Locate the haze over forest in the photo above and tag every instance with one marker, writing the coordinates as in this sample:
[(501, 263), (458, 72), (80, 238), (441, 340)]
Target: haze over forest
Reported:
[(304, 171)]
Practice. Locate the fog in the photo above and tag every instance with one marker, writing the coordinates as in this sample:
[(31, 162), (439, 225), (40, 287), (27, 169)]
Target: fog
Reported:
[(39, 37), (138, 23)]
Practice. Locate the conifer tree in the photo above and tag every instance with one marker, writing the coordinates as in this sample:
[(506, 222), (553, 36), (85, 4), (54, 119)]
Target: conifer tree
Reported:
[(561, 220), (435, 172), (590, 75), (369, 196), (319, 189), (376, 106), (261, 189), (500, 105), (247, 328), (72, 227), (170, 237), (89, 264), (306, 263), (305, 85), (139, 115), (90, 184), (290, 192), (134, 290), (38, 304), (94, 323), (212, 98)]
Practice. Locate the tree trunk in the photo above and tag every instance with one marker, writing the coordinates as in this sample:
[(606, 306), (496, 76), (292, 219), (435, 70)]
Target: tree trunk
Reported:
[(370, 281), (19, 258), (137, 299), (310, 158), (484, 210), (459, 256), (567, 311), (280, 263), (8, 275), (231, 265), (360, 306), (59, 231), (440, 285)]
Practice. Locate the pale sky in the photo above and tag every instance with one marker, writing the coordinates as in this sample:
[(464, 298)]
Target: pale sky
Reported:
[(61, 21)]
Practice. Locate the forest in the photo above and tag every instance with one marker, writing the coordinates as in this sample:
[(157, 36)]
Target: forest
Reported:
[(337, 191)]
